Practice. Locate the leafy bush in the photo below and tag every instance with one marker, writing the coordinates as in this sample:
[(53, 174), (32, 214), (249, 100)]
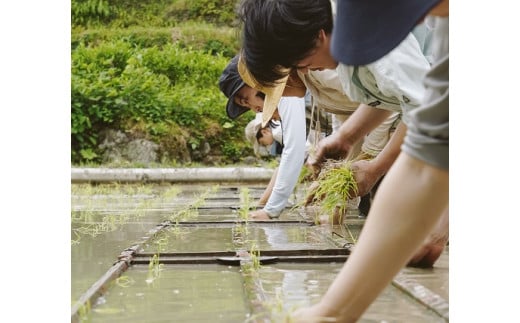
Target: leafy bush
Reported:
[(135, 36), (128, 13), (200, 36), (150, 69), (115, 84), (85, 12), (220, 12)]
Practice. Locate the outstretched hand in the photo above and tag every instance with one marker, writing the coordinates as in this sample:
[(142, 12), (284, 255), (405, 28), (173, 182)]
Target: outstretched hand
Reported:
[(433, 246), (331, 147), (366, 176), (310, 198)]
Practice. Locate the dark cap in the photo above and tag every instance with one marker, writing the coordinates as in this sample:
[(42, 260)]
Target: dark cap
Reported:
[(230, 82), (366, 30)]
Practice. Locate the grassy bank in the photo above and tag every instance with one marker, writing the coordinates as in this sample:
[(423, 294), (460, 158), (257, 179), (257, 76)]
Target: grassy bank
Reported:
[(150, 70)]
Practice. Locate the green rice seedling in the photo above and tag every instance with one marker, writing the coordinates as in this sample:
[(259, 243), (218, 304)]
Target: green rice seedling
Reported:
[(336, 185), (202, 197), (161, 241), (303, 190), (305, 175), (171, 193), (144, 189), (352, 238), (239, 233), (214, 188), (177, 230), (184, 214), (254, 253), (154, 269), (76, 240), (84, 312), (245, 204)]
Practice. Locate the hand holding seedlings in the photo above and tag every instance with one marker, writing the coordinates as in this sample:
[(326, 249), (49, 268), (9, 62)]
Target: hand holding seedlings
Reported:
[(333, 147), (336, 184), (366, 176)]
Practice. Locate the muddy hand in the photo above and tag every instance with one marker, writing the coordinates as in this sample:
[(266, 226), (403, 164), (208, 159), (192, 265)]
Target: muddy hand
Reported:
[(433, 246), (315, 160), (366, 176), (331, 147), (311, 192)]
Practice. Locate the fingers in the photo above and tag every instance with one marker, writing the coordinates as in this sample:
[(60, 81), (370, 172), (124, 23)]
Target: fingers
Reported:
[(429, 252), (314, 164), (309, 199), (311, 192), (259, 215), (426, 257)]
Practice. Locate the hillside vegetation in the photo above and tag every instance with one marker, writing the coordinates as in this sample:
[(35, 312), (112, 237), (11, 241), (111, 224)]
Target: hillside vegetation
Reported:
[(150, 70)]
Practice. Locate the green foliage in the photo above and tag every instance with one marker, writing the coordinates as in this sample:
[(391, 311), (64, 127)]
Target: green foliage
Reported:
[(147, 13), (128, 13), (215, 46), (197, 36), (150, 69), (136, 36), (232, 151), (85, 11), (220, 12), (115, 84), (180, 65)]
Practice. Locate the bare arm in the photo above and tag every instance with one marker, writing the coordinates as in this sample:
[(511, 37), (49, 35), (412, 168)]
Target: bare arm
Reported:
[(432, 247), (409, 203), (338, 145), (368, 172)]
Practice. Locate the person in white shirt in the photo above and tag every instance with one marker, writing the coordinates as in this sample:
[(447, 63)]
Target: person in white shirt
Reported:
[(290, 112)]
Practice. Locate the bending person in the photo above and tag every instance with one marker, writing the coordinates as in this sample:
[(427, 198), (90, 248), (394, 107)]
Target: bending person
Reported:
[(413, 197), (392, 83), (244, 94)]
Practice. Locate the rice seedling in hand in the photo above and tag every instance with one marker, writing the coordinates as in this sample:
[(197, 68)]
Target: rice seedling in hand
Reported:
[(335, 185)]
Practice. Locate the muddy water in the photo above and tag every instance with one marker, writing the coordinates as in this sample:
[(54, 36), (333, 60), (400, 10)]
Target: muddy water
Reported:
[(235, 237), (108, 219), (436, 279), (194, 293), (295, 285)]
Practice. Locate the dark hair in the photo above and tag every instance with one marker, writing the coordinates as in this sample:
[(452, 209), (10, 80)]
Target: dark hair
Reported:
[(280, 33), (270, 124), (259, 133)]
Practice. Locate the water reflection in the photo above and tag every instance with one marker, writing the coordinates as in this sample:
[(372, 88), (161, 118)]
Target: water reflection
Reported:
[(105, 220), (296, 285), (180, 294)]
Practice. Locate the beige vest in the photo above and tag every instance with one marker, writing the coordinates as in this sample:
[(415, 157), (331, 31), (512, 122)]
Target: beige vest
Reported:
[(327, 92), (328, 95)]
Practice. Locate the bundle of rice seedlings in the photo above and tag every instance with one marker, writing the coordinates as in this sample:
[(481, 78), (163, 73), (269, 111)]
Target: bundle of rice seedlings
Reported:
[(336, 184)]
